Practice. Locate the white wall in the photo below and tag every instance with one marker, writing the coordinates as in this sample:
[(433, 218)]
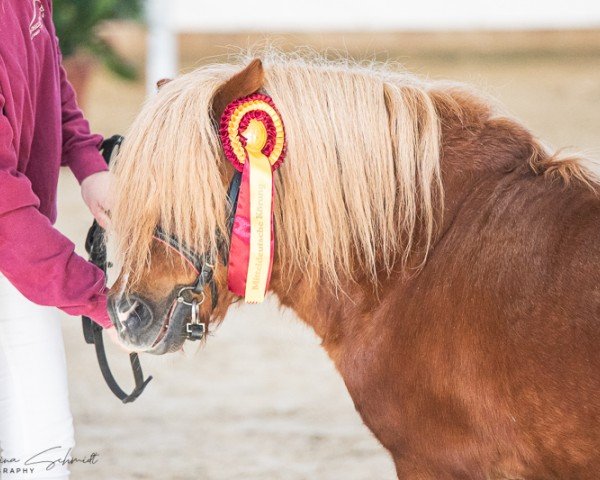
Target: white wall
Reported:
[(306, 15), (168, 17)]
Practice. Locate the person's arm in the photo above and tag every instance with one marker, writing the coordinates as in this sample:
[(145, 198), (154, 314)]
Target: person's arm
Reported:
[(35, 257), (80, 147), (80, 151)]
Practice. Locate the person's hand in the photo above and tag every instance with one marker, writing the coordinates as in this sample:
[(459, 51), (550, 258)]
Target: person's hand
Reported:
[(114, 338), (95, 192)]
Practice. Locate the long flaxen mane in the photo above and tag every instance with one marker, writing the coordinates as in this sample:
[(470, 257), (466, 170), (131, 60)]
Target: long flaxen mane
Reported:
[(362, 172), (360, 190)]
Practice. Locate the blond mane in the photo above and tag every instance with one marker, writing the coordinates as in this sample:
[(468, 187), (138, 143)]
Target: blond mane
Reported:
[(359, 191)]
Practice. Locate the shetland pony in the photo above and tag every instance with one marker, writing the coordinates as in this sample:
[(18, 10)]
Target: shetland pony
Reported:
[(447, 259)]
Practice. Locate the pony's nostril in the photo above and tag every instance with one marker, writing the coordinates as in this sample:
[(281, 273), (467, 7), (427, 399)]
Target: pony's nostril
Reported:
[(134, 313), (133, 322), (141, 315)]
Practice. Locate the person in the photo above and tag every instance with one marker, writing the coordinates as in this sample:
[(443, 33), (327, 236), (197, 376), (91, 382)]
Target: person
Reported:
[(41, 128)]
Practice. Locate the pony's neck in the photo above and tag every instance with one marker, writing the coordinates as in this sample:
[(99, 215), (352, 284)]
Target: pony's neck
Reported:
[(314, 306), (332, 314), (475, 147)]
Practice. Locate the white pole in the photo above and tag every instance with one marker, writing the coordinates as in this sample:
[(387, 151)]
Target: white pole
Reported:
[(162, 56)]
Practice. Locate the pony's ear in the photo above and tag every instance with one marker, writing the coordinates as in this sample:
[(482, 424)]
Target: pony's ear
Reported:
[(249, 80), (162, 82)]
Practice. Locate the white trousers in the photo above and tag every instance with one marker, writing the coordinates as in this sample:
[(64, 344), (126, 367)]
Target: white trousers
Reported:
[(36, 426)]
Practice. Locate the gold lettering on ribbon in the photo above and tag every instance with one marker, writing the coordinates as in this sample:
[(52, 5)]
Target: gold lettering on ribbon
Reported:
[(261, 189)]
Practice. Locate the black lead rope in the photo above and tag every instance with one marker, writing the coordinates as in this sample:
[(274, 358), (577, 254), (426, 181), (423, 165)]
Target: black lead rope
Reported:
[(92, 332)]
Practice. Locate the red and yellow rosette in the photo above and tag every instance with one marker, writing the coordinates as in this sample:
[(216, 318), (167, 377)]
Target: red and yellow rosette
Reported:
[(253, 140)]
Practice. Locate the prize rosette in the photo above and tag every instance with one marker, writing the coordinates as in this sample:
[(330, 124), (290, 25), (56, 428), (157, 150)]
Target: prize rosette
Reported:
[(253, 139)]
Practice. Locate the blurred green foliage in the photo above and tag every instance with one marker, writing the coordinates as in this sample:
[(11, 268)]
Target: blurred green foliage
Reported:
[(77, 24)]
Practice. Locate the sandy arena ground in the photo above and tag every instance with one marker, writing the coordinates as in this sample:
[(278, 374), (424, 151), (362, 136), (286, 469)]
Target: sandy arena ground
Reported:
[(262, 400)]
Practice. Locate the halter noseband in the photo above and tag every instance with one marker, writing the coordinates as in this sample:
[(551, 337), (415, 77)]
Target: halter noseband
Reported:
[(204, 266)]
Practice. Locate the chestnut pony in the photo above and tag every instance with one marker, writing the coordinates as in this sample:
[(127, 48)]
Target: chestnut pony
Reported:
[(449, 262)]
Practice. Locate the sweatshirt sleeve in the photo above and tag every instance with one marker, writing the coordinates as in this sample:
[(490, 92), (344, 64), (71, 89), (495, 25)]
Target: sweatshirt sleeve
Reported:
[(35, 257), (80, 147)]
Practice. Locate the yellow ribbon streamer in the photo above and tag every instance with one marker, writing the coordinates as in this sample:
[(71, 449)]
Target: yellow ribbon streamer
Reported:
[(261, 191)]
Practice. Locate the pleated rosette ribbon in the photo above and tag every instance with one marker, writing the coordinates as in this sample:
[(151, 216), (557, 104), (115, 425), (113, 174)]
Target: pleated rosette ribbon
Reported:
[(253, 139)]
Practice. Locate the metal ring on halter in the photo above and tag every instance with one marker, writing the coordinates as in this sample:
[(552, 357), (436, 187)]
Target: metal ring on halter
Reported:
[(181, 298)]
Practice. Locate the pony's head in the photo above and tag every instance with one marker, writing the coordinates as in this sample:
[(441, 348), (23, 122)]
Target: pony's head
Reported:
[(181, 245), (356, 197)]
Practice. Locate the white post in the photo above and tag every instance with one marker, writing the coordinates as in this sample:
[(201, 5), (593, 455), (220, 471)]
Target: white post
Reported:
[(162, 56)]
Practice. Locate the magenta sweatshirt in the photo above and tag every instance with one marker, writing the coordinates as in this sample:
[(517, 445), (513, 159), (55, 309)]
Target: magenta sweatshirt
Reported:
[(41, 128)]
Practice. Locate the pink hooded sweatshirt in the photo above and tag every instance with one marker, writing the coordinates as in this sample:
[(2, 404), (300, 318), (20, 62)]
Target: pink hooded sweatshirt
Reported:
[(41, 128)]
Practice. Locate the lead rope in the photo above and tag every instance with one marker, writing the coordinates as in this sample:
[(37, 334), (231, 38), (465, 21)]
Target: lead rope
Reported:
[(92, 332)]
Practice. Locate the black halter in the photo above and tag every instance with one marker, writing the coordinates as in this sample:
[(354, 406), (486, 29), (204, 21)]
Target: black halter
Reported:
[(190, 296)]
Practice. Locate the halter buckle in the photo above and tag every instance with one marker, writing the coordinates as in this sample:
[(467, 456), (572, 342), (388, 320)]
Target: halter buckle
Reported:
[(195, 329)]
